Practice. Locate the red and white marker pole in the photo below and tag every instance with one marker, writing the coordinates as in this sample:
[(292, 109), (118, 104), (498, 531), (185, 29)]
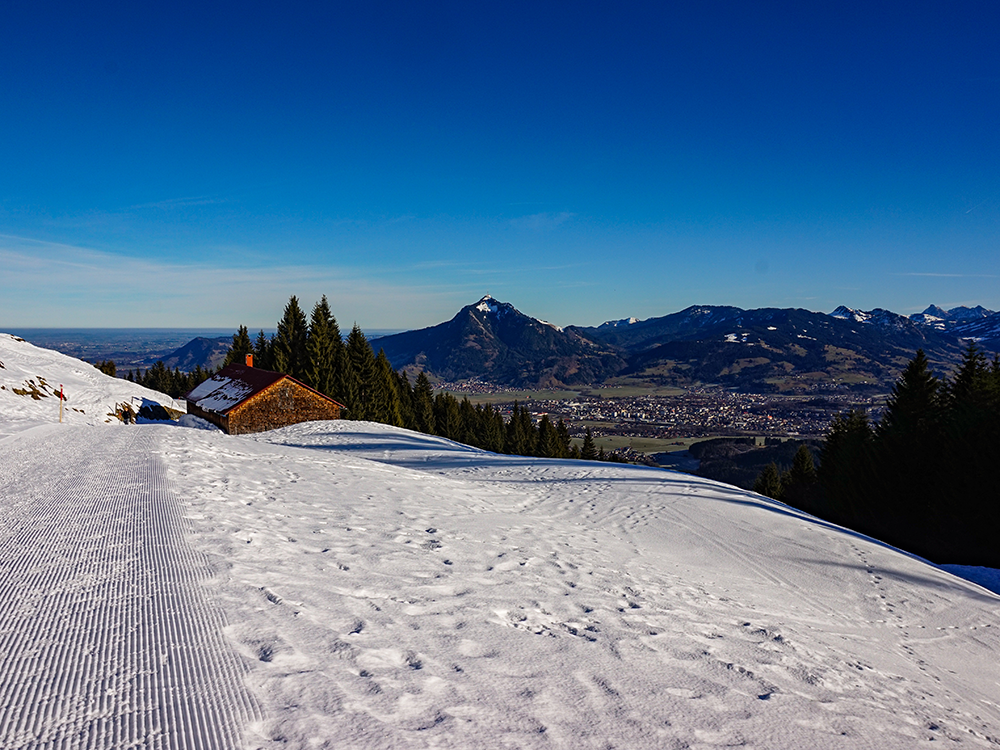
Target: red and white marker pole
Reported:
[(60, 402)]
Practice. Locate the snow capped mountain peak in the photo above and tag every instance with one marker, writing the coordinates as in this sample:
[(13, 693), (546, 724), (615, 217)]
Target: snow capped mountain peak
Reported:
[(969, 313), (956, 320), (618, 323), (499, 309), (876, 316), (487, 304), (849, 313), (494, 306)]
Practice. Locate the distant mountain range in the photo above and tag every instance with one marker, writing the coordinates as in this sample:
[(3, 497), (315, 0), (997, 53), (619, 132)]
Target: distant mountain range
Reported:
[(767, 349), (967, 322)]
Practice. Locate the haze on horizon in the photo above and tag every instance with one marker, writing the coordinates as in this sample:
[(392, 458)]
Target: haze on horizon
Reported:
[(192, 166)]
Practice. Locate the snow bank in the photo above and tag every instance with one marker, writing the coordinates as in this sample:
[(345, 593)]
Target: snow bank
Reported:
[(30, 378)]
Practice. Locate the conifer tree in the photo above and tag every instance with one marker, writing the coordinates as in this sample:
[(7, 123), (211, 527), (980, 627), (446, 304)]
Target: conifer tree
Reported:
[(324, 351), (549, 443), (520, 438), (846, 470), (386, 403), (768, 482), (289, 345), (909, 437), (564, 439), (240, 348), (798, 485), (262, 350), (359, 375), (491, 429), (589, 450), (971, 451), (969, 389), (405, 392), (447, 416), (471, 428), (423, 405), (914, 407)]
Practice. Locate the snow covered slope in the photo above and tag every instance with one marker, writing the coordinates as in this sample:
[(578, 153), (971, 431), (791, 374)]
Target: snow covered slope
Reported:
[(29, 386), (352, 585), (392, 589)]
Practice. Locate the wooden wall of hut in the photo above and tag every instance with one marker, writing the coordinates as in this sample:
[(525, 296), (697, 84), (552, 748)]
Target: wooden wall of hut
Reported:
[(284, 403)]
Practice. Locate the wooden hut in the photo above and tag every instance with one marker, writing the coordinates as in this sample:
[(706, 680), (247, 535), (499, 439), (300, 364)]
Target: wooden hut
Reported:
[(241, 399)]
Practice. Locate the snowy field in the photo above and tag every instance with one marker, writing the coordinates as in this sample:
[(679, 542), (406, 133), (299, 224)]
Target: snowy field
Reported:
[(351, 585)]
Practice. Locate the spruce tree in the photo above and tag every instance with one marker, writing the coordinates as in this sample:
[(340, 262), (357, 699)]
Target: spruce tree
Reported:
[(589, 450), (564, 439), (240, 348), (914, 408), (971, 452), (405, 392), (799, 487), (846, 470), (521, 437), (909, 440), (324, 351), (386, 406), (359, 375), (262, 351), (491, 428), (768, 482), (423, 404), (290, 356), (530, 432), (447, 417), (470, 423), (549, 443)]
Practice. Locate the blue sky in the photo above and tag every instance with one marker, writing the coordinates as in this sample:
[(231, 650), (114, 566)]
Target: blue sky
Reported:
[(177, 165)]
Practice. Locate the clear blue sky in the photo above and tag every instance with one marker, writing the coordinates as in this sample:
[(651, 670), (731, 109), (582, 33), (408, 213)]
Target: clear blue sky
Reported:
[(194, 164)]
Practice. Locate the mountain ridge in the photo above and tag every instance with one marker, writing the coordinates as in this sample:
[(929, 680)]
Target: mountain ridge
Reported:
[(761, 349)]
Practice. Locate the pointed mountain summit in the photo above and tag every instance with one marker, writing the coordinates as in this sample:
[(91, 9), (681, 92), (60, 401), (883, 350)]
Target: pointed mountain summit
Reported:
[(877, 316), (495, 341), (963, 321), (618, 323), (963, 313)]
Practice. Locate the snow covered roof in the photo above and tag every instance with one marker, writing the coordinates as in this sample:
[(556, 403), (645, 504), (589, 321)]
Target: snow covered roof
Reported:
[(231, 386)]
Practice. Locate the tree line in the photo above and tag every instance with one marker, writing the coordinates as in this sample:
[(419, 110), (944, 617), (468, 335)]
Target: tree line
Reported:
[(314, 352), (924, 477), (159, 377), (174, 383)]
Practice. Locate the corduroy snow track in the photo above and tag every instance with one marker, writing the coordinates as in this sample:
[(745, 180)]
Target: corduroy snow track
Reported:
[(106, 639)]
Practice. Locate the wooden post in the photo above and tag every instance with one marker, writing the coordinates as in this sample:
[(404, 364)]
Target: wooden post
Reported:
[(60, 403)]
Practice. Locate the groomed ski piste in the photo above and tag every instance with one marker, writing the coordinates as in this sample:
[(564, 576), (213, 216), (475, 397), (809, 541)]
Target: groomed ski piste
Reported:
[(353, 585)]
